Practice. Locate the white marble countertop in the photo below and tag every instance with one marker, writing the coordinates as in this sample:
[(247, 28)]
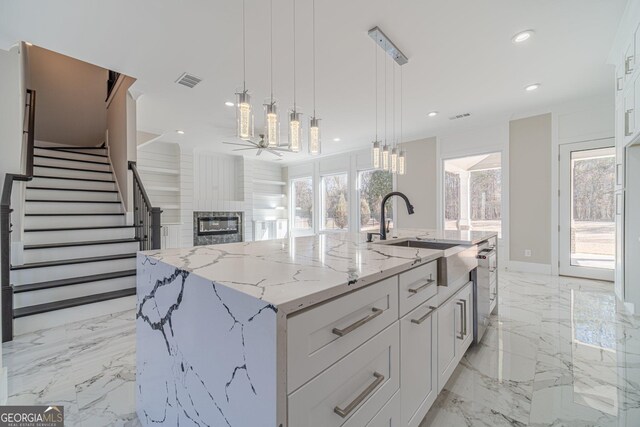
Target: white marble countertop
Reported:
[(295, 273)]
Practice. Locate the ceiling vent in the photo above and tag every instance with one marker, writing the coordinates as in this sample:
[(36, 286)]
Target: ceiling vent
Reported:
[(188, 80), (459, 116)]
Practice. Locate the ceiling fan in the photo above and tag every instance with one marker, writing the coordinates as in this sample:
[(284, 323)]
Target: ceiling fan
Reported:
[(260, 146)]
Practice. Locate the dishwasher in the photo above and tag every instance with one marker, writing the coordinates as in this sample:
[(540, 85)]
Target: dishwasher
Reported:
[(486, 289)]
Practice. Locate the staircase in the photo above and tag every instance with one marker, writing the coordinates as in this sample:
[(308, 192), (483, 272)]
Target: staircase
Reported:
[(78, 249)]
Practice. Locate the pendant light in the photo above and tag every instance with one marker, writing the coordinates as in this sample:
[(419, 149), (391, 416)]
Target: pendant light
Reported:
[(244, 114), (295, 128), (375, 147), (271, 123), (402, 161), (394, 150), (314, 122), (385, 147)]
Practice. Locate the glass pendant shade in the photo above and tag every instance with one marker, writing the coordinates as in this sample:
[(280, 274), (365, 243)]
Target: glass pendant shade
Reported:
[(385, 157), (314, 136), (402, 163), (244, 115), (394, 160), (375, 154), (271, 124), (295, 131)]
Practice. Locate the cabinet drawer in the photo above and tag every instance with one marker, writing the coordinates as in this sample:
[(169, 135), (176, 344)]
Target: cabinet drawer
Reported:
[(353, 390), (389, 415), (417, 286), (322, 335)]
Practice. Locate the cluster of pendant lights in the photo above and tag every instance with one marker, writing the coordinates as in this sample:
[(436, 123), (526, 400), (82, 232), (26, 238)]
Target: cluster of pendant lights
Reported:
[(244, 111), (388, 155)]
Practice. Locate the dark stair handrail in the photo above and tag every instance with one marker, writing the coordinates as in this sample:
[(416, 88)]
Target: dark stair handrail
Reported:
[(146, 218), (5, 221)]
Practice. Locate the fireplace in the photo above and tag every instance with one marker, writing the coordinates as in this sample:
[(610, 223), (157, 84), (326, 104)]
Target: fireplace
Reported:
[(212, 228)]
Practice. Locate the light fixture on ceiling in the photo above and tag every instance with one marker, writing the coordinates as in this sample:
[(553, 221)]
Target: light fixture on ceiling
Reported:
[(336, 139), (229, 104), (295, 128), (522, 36), (271, 122), (244, 114), (314, 121), (532, 87), (180, 132), (432, 113), (388, 156)]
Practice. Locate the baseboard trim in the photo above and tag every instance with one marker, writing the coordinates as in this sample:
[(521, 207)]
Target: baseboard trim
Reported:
[(528, 267)]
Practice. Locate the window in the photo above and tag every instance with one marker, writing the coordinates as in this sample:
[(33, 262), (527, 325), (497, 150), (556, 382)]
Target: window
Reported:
[(373, 185), (302, 204), (473, 193), (334, 207)]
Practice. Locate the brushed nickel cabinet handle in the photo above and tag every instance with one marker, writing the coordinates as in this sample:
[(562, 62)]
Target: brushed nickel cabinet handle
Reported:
[(419, 288), (628, 67), (619, 83), (344, 412), (627, 122), (423, 318), (375, 312), (459, 303)]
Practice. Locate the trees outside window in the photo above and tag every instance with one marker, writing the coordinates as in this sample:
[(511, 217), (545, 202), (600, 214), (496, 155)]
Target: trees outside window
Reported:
[(335, 202), (302, 203), (373, 185)]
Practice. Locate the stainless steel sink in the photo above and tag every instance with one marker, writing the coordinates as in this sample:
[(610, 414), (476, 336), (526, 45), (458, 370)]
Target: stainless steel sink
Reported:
[(456, 263)]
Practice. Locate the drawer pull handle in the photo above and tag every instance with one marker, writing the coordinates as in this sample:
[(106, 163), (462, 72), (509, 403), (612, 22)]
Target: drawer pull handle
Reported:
[(423, 318), (462, 322), (419, 288), (379, 378), (342, 332)]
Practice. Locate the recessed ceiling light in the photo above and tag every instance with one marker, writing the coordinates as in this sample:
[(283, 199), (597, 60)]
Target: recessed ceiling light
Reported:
[(229, 104), (336, 139), (532, 87), (180, 132), (522, 36), (432, 114)]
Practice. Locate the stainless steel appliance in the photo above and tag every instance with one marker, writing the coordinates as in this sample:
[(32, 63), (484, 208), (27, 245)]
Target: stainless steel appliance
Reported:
[(486, 289)]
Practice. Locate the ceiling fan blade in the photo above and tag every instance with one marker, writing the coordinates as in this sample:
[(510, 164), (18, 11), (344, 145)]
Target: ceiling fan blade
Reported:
[(259, 151), (243, 149), (234, 143)]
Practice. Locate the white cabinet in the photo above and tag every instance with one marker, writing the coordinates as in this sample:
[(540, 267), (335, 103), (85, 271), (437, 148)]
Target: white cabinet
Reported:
[(389, 416), (419, 374), (170, 236), (455, 332)]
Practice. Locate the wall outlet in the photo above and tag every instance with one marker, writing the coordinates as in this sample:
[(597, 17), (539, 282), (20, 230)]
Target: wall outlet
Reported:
[(527, 252)]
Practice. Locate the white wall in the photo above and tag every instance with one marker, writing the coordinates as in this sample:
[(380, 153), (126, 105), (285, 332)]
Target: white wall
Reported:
[(71, 98)]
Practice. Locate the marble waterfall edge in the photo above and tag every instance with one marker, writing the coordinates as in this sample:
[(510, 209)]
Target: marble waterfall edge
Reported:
[(206, 354)]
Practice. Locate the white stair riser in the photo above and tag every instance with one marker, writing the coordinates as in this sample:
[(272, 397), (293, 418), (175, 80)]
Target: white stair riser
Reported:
[(71, 195), (71, 183), (68, 163), (73, 221), (52, 207), (27, 324), (71, 156), (40, 237), (72, 252), (72, 291), (73, 173), (35, 275)]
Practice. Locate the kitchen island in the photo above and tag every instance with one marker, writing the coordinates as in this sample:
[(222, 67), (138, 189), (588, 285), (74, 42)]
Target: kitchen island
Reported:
[(297, 332)]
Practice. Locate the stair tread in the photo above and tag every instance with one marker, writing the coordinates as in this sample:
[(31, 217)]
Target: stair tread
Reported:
[(71, 152), (73, 178), (87, 190), (71, 147), (84, 243), (72, 281), (71, 169), (70, 214), (70, 201), (72, 302), (104, 227), (67, 159), (72, 261)]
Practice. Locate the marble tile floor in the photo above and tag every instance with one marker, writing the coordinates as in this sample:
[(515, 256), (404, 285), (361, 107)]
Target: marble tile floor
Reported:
[(559, 352)]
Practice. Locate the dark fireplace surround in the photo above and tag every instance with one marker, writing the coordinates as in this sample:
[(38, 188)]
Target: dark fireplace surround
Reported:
[(212, 228)]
